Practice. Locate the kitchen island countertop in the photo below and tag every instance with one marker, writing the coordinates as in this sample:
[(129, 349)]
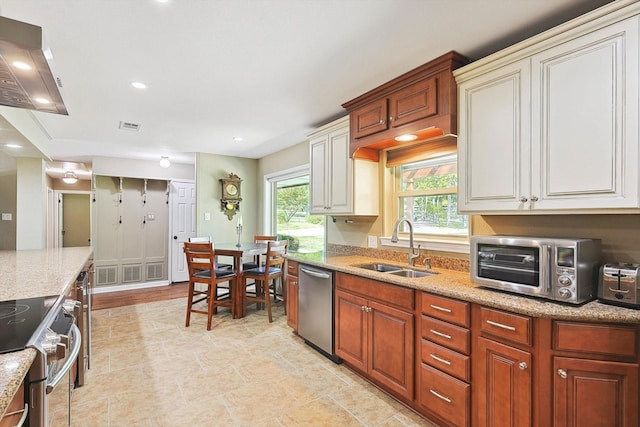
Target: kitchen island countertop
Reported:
[(457, 284), (28, 274)]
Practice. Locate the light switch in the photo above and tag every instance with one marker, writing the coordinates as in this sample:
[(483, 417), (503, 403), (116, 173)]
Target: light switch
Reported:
[(207, 216), (372, 241), (6, 216)]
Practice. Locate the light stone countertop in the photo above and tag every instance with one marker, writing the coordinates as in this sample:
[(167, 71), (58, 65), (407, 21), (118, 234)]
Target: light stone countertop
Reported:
[(28, 274), (457, 284)]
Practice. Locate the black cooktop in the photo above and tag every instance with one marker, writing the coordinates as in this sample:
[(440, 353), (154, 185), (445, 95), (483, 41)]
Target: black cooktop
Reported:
[(20, 318)]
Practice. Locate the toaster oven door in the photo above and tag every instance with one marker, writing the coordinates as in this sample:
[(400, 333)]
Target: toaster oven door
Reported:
[(518, 265)]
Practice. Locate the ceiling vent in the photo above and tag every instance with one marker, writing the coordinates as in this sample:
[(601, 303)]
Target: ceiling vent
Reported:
[(134, 127), (26, 69)]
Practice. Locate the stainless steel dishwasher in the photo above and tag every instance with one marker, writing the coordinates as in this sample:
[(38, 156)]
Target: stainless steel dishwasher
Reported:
[(315, 309)]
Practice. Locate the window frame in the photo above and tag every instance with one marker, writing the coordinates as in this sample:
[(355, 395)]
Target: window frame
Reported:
[(393, 195)]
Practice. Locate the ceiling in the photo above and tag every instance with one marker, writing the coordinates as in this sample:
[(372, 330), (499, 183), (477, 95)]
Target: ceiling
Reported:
[(268, 71)]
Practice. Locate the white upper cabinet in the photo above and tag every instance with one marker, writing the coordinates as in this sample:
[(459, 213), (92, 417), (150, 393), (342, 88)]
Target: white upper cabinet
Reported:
[(340, 185), (553, 127)]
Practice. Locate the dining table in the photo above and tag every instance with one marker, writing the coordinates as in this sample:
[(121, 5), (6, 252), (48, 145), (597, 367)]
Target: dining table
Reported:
[(238, 251)]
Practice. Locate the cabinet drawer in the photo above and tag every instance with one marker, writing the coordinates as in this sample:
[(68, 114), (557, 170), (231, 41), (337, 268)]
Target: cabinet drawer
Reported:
[(444, 395), (388, 294), (446, 334), (616, 340), (447, 309), (509, 326), (446, 360), (292, 268), (15, 409)]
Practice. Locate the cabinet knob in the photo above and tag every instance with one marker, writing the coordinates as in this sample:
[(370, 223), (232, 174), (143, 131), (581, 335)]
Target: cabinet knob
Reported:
[(562, 373), (390, 118), (523, 366), (534, 198), (523, 199)]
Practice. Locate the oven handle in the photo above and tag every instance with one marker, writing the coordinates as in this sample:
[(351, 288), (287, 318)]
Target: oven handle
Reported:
[(547, 258), (73, 354)]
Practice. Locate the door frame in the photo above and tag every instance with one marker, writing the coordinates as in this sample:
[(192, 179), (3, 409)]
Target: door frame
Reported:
[(57, 215)]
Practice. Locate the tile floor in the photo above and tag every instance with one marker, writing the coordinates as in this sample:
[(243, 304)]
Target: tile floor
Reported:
[(149, 370)]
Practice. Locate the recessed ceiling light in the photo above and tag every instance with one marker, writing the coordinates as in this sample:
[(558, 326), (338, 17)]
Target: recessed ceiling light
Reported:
[(162, 1), (11, 145), (164, 162), (237, 138), (139, 85), (21, 65), (406, 138), (42, 100)]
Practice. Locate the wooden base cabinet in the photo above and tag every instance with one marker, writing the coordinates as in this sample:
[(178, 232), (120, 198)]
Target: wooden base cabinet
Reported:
[(376, 338), (592, 393), (595, 374), (503, 385), (292, 295), (503, 368)]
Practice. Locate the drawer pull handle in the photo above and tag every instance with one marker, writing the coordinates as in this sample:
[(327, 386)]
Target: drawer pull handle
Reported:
[(437, 307), (440, 334), (562, 373), (439, 396), (440, 359), (500, 325)]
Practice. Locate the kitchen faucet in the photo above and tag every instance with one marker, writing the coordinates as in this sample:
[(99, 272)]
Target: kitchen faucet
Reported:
[(394, 238)]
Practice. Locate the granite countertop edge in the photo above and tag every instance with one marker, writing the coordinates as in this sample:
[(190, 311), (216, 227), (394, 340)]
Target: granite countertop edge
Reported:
[(14, 368), (458, 285)]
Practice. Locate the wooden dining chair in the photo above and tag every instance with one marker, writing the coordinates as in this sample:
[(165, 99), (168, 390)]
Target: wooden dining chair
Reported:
[(201, 265), (272, 269)]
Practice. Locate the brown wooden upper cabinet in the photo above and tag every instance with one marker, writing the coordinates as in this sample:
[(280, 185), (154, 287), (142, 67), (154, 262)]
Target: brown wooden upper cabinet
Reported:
[(421, 102)]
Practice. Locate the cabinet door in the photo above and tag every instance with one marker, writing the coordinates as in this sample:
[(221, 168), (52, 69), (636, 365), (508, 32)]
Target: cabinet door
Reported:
[(318, 152), (494, 138), (589, 393), (585, 121), (502, 379), (351, 329), (340, 175), (412, 103), (391, 343), (292, 302), (370, 119)]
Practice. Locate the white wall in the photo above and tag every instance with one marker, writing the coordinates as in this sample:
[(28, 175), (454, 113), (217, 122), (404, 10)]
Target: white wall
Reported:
[(112, 166), (31, 204)]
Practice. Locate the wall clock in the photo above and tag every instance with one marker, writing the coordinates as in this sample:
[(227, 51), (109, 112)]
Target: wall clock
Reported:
[(230, 200)]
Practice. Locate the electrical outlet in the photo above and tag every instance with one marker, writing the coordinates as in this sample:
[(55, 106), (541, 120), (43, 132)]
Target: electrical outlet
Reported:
[(6, 216), (372, 241), (207, 216)]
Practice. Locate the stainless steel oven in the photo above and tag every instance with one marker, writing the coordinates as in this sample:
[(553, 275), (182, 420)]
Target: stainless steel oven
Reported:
[(57, 341), (556, 269)]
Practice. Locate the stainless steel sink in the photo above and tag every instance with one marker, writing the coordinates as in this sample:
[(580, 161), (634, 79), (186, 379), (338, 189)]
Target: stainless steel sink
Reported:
[(411, 273), (382, 268)]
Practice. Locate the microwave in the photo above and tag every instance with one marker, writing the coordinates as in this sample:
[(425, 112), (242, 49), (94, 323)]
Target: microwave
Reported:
[(556, 269)]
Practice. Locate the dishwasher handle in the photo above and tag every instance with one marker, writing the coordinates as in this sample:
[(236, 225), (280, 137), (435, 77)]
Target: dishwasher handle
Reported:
[(317, 274)]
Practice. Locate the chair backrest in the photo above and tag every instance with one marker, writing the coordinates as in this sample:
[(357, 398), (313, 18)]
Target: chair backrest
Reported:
[(275, 253), (200, 256), (264, 239), (203, 239)]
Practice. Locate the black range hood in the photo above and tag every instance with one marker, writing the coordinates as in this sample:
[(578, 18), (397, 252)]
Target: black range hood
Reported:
[(26, 64)]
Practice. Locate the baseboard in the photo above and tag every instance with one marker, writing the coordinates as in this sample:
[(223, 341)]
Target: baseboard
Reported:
[(129, 287)]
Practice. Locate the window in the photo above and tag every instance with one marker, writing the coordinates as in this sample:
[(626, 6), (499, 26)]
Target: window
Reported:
[(426, 193), (291, 213)]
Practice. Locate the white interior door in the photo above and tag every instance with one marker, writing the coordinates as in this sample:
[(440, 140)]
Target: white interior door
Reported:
[(183, 226)]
